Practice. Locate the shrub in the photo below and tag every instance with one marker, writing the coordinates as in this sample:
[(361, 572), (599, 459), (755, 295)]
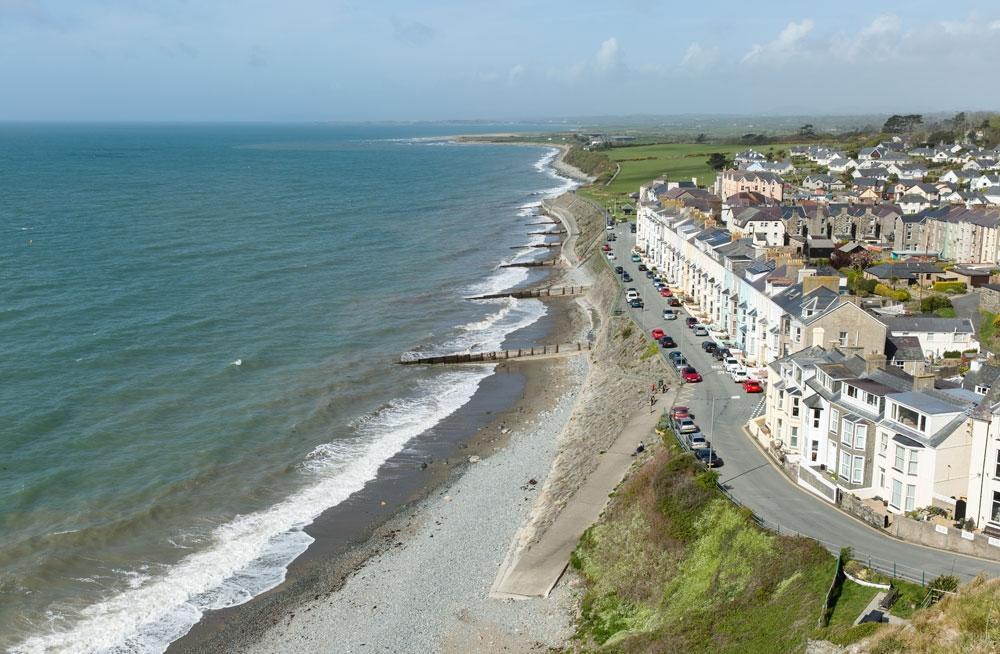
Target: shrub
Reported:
[(932, 303), (952, 354), (950, 287)]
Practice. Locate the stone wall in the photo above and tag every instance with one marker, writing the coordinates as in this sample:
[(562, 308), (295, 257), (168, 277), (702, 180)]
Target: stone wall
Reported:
[(859, 509), (945, 538)]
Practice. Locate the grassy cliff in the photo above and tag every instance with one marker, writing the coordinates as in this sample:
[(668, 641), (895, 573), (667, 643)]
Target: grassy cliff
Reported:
[(673, 566)]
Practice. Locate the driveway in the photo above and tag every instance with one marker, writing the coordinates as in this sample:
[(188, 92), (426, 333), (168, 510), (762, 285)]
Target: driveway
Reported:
[(751, 477)]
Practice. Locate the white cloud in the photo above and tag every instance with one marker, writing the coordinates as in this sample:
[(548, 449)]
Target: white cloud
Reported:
[(607, 55), (879, 41), (515, 73), (699, 58), (783, 47)]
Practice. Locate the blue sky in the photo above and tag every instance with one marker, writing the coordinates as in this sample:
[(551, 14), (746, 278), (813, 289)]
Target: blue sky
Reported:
[(355, 60)]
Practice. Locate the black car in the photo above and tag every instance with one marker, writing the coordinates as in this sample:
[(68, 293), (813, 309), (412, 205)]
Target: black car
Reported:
[(626, 277), (631, 227), (619, 270), (667, 342), (612, 237), (642, 267), (721, 353), (673, 302), (691, 322), (636, 303), (709, 346), (708, 456), (650, 274)]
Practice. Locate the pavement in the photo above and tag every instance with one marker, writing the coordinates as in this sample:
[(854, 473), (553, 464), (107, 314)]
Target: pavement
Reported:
[(752, 478), (534, 571)]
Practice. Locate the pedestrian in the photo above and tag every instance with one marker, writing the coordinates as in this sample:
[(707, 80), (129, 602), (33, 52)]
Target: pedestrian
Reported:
[(641, 448)]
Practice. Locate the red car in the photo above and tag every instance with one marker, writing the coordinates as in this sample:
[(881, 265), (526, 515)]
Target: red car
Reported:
[(666, 292), (690, 375), (679, 412), (606, 247), (752, 386), (673, 302), (658, 334)]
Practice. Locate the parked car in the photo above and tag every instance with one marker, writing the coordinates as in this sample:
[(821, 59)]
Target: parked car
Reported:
[(649, 274), (732, 364), (631, 294), (691, 375), (642, 267), (686, 426), (680, 363), (708, 456), (610, 226), (721, 353), (696, 440), (626, 277), (752, 386), (636, 258), (667, 342), (611, 256), (658, 333), (669, 314), (678, 412), (636, 303), (739, 376), (673, 302), (709, 346), (699, 330), (606, 247), (612, 237), (675, 355), (666, 292), (631, 227)]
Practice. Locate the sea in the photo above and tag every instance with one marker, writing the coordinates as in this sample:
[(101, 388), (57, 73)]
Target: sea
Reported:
[(199, 330)]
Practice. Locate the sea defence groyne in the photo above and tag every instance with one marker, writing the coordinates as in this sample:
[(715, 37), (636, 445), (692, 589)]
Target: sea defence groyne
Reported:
[(529, 264), (550, 291), (496, 356)]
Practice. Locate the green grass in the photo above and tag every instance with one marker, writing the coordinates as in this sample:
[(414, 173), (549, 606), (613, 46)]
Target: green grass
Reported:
[(853, 600), (650, 351), (910, 597), (987, 330), (946, 312), (674, 566)]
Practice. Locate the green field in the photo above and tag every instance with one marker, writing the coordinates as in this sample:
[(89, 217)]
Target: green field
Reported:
[(674, 161)]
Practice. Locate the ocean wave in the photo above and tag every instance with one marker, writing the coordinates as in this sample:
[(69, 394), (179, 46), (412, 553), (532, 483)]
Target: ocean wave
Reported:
[(250, 554)]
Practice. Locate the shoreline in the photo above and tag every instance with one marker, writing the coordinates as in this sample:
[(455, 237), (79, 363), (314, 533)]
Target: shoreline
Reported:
[(387, 513)]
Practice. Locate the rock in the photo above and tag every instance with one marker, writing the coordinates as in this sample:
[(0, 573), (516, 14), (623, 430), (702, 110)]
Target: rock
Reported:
[(447, 498), (473, 459), (532, 482)]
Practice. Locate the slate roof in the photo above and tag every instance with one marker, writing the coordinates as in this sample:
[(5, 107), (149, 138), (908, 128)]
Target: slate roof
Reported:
[(905, 270), (903, 348), (930, 324)]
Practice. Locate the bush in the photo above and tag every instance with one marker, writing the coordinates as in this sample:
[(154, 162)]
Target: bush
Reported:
[(950, 287), (952, 354), (932, 303)]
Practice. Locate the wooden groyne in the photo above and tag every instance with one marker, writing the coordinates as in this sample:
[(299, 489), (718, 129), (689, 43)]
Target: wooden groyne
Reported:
[(537, 224), (547, 351), (551, 291), (536, 245), (553, 233), (529, 264)]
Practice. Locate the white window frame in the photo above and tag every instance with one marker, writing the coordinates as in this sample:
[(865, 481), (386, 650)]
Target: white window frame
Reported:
[(845, 466), (913, 463), (899, 460), (834, 421), (858, 470), (897, 494), (911, 497), (860, 435)]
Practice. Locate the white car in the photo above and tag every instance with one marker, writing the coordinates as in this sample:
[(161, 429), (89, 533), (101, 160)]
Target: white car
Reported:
[(611, 256), (739, 375), (631, 295), (732, 364)]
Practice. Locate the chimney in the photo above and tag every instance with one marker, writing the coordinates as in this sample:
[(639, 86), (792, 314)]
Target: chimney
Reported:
[(924, 381), (875, 362)]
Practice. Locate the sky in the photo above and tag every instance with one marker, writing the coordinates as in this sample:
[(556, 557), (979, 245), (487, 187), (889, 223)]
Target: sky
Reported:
[(353, 60)]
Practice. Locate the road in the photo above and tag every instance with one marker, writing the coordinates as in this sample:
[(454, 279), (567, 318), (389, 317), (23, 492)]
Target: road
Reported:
[(752, 478)]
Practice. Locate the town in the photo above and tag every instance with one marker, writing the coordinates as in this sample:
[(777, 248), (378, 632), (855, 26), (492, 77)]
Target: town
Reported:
[(853, 286)]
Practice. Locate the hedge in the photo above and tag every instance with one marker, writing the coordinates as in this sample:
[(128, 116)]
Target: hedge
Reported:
[(950, 287), (952, 354), (883, 290)]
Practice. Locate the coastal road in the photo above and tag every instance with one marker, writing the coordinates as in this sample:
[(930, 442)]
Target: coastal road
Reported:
[(751, 477)]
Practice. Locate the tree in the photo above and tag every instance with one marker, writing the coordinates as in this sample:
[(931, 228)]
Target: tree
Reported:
[(807, 130), (897, 124), (959, 120), (717, 161), (701, 138)]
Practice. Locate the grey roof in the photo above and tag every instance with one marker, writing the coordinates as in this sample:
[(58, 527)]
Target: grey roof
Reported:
[(903, 439), (872, 386), (930, 324), (924, 402), (985, 376), (818, 301), (905, 270), (903, 348)]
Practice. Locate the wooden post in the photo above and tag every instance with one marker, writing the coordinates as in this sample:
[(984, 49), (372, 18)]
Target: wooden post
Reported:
[(557, 348)]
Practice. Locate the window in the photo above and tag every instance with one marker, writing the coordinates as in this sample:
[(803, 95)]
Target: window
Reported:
[(798, 334), (842, 339), (881, 477), (795, 407), (858, 472), (982, 390), (871, 399), (845, 465), (860, 436), (834, 420), (912, 470), (898, 464), (995, 514), (814, 451), (911, 492), (816, 417), (852, 391), (883, 443), (794, 440), (847, 432), (897, 493)]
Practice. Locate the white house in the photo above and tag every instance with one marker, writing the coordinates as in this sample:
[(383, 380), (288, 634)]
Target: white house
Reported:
[(936, 335)]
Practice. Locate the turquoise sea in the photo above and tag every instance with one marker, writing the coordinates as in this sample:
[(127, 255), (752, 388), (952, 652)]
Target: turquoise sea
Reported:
[(198, 327)]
